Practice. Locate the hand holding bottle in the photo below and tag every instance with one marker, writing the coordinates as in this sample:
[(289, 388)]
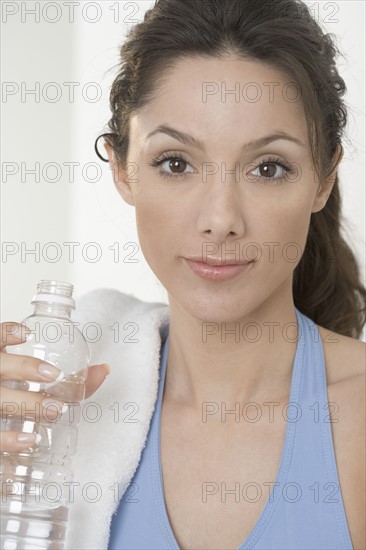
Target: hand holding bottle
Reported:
[(44, 376), (22, 368)]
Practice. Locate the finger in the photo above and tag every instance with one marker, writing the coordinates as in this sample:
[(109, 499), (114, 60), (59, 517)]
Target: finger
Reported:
[(11, 441), (30, 405), (24, 367), (12, 333), (96, 376)]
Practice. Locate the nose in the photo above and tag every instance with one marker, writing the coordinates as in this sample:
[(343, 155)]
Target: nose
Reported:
[(221, 213)]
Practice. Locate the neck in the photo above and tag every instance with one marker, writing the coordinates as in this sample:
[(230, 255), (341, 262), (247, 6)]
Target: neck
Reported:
[(245, 360)]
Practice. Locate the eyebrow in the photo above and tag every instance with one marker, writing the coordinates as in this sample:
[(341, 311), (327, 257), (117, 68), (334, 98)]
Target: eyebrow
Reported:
[(186, 139)]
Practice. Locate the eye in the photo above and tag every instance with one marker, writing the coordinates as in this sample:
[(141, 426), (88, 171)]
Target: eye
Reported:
[(272, 169), (174, 161)]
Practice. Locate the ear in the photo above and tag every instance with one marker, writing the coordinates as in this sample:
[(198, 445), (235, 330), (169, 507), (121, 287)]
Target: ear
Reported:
[(119, 176), (325, 187)]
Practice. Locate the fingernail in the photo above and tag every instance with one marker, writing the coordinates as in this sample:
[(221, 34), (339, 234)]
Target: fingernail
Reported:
[(53, 407), (21, 332), (51, 372), (107, 368), (29, 438)]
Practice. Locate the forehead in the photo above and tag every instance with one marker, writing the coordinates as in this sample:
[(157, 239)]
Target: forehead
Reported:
[(225, 98)]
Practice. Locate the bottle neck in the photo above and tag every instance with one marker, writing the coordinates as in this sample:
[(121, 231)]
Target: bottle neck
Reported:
[(52, 310)]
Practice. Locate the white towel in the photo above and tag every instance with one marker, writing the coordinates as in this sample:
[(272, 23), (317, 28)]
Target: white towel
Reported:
[(115, 420)]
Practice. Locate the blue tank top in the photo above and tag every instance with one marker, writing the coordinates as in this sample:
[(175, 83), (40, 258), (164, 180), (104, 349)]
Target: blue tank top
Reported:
[(304, 509)]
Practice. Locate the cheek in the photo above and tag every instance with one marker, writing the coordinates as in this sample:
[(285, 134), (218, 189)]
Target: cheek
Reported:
[(292, 235), (280, 230), (156, 228)]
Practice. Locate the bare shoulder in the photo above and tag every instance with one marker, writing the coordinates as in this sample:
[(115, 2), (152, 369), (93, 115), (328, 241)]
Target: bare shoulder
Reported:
[(345, 363), (345, 357)]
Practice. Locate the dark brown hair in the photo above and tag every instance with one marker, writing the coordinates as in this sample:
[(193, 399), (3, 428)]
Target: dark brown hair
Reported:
[(326, 282)]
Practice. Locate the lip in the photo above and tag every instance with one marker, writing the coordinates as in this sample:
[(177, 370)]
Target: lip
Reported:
[(215, 261), (217, 272)]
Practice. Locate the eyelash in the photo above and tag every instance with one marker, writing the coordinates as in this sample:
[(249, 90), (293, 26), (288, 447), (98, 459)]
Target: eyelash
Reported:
[(157, 161)]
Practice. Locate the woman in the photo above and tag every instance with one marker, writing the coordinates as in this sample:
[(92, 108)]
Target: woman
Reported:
[(226, 131)]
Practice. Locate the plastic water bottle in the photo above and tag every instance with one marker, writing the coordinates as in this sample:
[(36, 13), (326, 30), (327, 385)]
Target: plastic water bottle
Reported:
[(36, 483)]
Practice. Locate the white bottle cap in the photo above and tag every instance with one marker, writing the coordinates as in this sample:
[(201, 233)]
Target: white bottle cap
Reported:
[(53, 298), (54, 292)]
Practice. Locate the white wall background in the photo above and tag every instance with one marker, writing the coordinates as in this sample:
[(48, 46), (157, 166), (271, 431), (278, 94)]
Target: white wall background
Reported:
[(81, 47)]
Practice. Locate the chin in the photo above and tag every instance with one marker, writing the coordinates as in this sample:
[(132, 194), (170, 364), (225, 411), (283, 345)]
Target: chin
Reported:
[(214, 310)]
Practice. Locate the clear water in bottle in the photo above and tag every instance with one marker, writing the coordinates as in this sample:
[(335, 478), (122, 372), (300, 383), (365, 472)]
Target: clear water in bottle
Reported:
[(36, 484)]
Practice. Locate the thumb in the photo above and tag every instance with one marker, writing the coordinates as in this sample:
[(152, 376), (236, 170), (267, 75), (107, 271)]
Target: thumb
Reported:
[(96, 376)]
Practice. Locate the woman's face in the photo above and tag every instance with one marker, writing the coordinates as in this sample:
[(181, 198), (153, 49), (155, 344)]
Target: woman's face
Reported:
[(219, 199)]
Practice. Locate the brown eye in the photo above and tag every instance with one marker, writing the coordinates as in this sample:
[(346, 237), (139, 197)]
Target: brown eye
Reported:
[(177, 166), (268, 170), (272, 170), (174, 166)]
